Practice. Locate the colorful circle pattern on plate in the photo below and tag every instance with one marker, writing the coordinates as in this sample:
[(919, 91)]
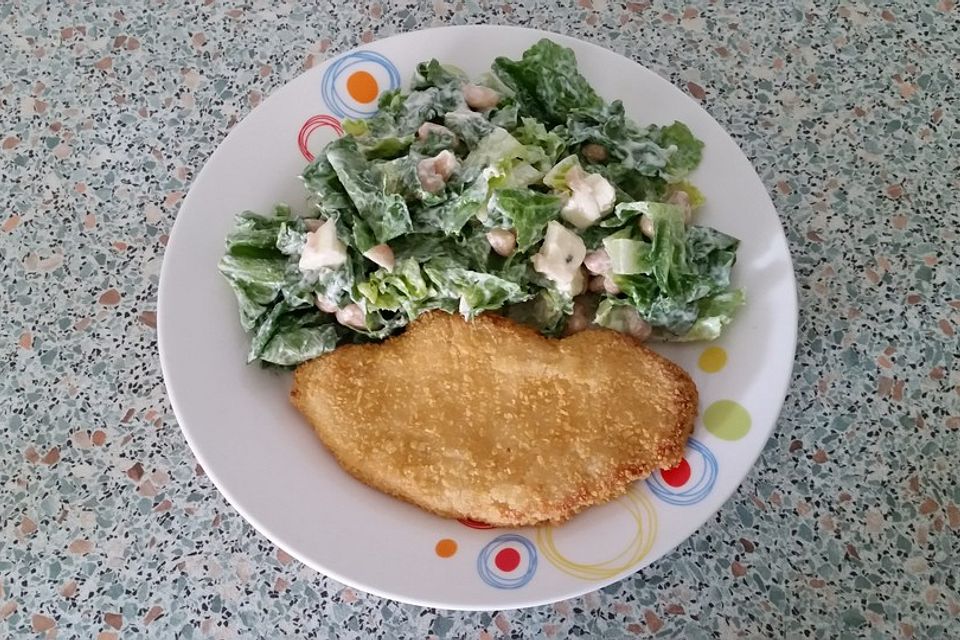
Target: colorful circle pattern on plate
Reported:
[(445, 548), (352, 84), (507, 562), (312, 124), (727, 420), (645, 517), (713, 359), (690, 481)]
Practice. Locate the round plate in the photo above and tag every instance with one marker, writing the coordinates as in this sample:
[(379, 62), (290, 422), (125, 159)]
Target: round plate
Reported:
[(265, 458)]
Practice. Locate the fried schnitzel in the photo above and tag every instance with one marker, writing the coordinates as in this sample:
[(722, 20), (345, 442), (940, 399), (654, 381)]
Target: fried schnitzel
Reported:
[(489, 420)]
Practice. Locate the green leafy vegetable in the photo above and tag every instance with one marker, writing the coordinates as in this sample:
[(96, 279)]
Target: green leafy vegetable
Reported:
[(476, 291), (525, 211), (546, 82), (385, 213), (634, 147), (287, 339), (686, 150), (415, 191)]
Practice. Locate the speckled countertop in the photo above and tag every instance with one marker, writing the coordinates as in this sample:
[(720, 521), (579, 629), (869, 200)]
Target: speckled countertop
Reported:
[(849, 526)]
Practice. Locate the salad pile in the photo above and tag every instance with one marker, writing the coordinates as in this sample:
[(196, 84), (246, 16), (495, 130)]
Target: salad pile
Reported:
[(522, 192)]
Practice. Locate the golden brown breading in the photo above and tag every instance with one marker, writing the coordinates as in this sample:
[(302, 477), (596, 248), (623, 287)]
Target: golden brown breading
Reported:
[(489, 420)]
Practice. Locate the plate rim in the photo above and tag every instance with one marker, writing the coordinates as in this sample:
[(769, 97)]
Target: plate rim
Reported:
[(782, 387)]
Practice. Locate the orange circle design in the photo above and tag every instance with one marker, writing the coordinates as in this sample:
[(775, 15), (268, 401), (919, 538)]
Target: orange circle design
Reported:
[(446, 548), (362, 87)]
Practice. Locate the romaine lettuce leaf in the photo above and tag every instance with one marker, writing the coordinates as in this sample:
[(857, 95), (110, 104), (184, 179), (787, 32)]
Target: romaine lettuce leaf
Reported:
[(525, 211), (476, 291), (254, 235), (498, 150), (323, 185), (433, 74), (688, 150), (629, 144), (629, 256), (629, 212), (506, 114), (286, 338), (556, 177), (533, 134), (547, 311), (404, 288), (385, 213), (263, 276), (668, 251), (632, 185), (546, 82), (436, 141), (714, 313), (471, 127)]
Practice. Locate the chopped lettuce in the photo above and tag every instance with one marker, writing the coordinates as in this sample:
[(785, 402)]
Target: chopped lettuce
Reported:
[(547, 311), (469, 126), (628, 256), (685, 150), (287, 339), (546, 82), (385, 212), (420, 191), (476, 291), (401, 288), (525, 211)]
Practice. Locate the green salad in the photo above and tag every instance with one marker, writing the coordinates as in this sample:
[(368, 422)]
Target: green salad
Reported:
[(521, 192)]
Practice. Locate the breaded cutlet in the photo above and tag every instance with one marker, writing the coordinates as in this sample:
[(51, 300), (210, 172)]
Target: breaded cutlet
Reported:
[(489, 420)]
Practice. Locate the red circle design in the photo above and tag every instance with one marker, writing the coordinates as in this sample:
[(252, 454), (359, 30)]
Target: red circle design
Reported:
[(311, 125), (474, 524), (678, 476), (507, 559)]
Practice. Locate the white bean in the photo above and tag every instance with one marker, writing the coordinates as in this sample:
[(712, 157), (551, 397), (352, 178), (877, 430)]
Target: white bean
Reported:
[(503, 241), (681, 199), (326, 305), (610, 286), (596, 284), (428, 127), (352, 316), (646, 226), (480, 98), (582, 316), (638, 328), (382, 255), (594, 152), (597, 262)]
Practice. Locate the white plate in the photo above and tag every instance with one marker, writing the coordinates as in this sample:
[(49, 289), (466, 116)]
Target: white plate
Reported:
[(270, 466)]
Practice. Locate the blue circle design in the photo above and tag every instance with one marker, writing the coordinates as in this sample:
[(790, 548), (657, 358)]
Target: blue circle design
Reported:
[(337, 103), (700, 489), (486, 573)]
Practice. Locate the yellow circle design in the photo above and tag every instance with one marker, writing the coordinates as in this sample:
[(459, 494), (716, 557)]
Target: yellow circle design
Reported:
[(643, 514), (713, 359)]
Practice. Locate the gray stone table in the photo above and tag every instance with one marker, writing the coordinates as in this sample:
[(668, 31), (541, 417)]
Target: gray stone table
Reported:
[(848, 526)]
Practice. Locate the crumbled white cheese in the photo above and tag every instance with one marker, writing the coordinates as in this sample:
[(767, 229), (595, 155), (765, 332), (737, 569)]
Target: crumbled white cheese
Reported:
[(591, 198), (560, 258)]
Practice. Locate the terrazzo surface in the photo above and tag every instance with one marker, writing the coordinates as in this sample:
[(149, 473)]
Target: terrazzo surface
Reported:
[(849, 525)]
